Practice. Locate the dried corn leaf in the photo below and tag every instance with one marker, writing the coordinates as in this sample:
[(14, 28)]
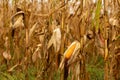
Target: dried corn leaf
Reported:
[(35, 55), (55, 40), (12, 68), (32, 30), (6, 55), (18, 22), (113, 33), (113, 22)]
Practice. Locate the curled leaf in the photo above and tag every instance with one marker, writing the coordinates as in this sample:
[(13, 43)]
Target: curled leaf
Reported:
[(36, 55)]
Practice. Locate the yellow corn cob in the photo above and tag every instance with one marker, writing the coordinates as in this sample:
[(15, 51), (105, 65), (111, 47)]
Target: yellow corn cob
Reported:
[(70, 50)]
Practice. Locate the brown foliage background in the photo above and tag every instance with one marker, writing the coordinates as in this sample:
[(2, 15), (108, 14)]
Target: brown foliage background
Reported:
[(34, 36)]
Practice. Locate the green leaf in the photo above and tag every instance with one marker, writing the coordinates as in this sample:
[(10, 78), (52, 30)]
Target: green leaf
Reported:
[(7, 75), (97, 15)]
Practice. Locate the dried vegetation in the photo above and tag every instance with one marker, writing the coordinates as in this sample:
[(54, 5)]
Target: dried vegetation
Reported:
[(59, 40)]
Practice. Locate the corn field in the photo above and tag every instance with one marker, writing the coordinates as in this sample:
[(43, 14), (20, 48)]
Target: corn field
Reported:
[(59, 39)]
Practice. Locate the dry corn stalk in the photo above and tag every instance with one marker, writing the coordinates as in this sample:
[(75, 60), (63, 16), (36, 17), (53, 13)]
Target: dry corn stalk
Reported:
[(106, 53), (17, 28)]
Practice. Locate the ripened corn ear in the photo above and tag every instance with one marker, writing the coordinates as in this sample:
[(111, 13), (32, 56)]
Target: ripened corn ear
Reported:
[(68, 53)]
